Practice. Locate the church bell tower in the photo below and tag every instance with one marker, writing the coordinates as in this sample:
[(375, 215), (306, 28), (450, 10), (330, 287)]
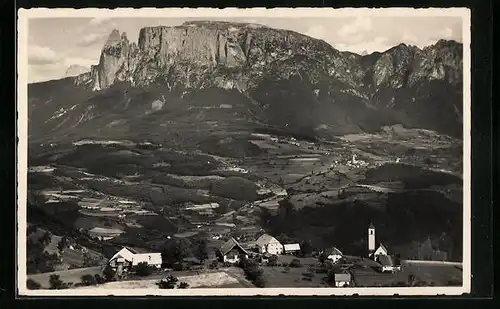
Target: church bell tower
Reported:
[(371, 239)]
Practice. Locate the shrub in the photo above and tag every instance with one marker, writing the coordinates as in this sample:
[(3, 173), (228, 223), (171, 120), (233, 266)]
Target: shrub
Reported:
[(99, 279), (32, 284), (214, 265), (168, 283), (295, 263), (143, 269), (260, 281), (108, 273), (273, 260), (56, 283), (183, 285), (88, 280)]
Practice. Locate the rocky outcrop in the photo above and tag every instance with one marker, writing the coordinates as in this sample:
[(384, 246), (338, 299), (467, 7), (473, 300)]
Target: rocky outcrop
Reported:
[(282, 70), (227, 55)]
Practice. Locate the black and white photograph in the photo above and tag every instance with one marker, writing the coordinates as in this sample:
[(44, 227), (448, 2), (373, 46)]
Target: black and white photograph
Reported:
[(199, 152)]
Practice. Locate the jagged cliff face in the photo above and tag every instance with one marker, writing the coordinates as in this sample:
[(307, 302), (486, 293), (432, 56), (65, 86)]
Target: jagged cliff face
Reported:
[(276, 77), (227, 55)]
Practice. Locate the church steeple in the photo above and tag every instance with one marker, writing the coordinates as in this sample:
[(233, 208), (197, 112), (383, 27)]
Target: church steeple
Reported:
[(371, 239)]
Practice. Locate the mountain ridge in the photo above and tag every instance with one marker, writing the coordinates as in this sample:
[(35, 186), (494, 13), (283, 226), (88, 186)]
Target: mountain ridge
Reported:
[(287, 73)]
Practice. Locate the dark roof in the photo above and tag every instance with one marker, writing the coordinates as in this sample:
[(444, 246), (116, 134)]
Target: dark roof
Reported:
[(383, 247), (385, 260), (334, 251), (136, 250), (371, 226), (229, 245)]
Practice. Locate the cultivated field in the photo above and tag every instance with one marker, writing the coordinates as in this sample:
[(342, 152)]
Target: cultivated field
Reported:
[(206, 280), (67, 276)]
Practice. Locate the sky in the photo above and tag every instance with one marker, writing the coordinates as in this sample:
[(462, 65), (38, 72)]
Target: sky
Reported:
[(54, 44)]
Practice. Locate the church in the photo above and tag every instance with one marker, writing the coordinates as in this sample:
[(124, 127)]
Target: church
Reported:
[(380, 254)]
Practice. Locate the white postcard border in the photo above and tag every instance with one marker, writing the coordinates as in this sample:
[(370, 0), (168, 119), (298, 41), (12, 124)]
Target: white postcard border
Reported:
[(22, 130)]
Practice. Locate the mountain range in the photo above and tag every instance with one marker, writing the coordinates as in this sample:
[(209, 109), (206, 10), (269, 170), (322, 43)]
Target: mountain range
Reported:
[(269, 77)]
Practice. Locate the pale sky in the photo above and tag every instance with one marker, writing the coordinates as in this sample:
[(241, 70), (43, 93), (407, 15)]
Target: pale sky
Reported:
[(56, 43)]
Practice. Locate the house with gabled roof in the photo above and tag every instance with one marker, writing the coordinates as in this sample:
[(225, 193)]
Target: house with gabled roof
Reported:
[(381, 250), (291, 248), (334, 255), (128, 257), (268, 244), (232, 252)]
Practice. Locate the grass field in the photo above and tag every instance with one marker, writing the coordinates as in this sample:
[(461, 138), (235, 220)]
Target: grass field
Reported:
[(430, 274), (278, 277), (67, 276), (208, 280)]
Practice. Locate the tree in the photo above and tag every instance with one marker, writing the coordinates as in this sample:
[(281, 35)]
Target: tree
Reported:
[(260, 281), (214, 265), (295, 263), (108, 273), (176, 250), (32, 284), (56, 283), (45, 239), (273, 260), (143, 269), (322, 258), (88, 280), (201, 250), (306, 248), (63, 243)]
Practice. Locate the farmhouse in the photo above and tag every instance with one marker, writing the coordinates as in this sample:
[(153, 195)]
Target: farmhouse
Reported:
[(388, 264), (231, 251), (334, 255), (127, 257), (291, 248), (268, 244), (342, 280)]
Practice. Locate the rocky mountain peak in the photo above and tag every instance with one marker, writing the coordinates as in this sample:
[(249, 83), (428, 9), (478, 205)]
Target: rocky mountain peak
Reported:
[(113, 38)]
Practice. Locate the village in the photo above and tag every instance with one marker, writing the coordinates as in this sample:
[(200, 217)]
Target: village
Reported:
[(260, 262)]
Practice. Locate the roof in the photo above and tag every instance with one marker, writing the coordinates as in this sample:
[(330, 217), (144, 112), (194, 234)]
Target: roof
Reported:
[(125, 253), (291, 247), (265, 239), (335, 251), (381, 245), (150, 258), (385, 260), (229, 245), (343, 277), (371, 226)]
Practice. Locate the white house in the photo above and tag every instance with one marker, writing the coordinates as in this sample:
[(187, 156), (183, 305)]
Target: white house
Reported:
[(127, 257), (342, 280), (334, 255), (232, 252), (152, 259), (291, 248), (268, 244)]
